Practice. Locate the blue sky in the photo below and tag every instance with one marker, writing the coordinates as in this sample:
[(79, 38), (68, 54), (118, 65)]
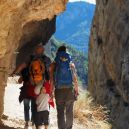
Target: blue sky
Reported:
[(90, 1)]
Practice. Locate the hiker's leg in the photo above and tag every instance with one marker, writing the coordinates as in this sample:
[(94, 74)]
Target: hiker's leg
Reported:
[(69, 114), (45, 118), (42, 118), (26, 109), (60, 105), (41, 127), (36, 120), (60, 115), (46, 127), (33, 110)]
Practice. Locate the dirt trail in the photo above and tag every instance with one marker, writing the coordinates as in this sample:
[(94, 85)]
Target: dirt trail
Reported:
[(14, 111)]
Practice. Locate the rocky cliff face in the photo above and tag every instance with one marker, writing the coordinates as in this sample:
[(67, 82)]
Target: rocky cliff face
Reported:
[(24, 22), (109, 59)]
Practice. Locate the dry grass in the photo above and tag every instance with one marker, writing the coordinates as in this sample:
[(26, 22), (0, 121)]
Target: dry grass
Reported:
[(91, 115)]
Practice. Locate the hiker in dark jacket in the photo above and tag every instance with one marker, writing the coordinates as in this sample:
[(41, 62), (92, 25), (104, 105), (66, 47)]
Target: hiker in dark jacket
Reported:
[(25, 77), (64, 80), (24, 96)]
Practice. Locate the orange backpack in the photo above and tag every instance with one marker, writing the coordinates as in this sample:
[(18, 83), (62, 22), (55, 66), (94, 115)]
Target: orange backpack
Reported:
[(37, 71)]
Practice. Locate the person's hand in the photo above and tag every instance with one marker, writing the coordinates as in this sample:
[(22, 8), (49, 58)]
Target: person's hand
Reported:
[(43, 90), (20, 80), (52, 95), (76, 91)]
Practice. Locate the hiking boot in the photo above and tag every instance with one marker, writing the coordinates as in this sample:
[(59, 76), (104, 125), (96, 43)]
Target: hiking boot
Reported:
[(46, 127), (33, 125), (26, 125), (41, 127)]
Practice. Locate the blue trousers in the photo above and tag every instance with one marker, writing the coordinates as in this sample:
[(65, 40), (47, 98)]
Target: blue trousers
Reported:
[(29, 104)]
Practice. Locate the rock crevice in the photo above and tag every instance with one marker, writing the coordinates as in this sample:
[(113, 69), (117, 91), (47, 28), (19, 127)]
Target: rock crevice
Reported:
[(109, 59)]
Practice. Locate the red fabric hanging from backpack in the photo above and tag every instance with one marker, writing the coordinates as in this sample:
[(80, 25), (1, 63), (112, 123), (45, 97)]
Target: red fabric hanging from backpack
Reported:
[(47, 87)]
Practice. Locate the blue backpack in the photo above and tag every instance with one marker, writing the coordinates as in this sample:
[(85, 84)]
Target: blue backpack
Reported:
[(63, 74)]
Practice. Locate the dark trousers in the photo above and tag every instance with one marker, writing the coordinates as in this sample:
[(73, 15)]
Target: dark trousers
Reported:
[(64, 102), (29, 103), (42, 118)]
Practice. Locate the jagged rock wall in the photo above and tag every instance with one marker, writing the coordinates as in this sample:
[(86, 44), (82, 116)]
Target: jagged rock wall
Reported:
[(109, 59), (20, 21)]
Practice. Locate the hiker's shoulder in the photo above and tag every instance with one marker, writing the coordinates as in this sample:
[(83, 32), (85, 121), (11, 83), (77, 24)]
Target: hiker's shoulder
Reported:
[(45, 57)]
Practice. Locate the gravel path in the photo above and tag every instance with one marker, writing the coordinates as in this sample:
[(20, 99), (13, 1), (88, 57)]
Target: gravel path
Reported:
[(13, 111)]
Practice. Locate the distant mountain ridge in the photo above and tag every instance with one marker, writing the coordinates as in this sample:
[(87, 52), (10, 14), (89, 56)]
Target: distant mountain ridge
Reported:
[(73, 26)]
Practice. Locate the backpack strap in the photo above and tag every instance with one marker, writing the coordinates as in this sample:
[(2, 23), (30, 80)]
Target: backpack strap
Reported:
[(47, 77), (30, 69)]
